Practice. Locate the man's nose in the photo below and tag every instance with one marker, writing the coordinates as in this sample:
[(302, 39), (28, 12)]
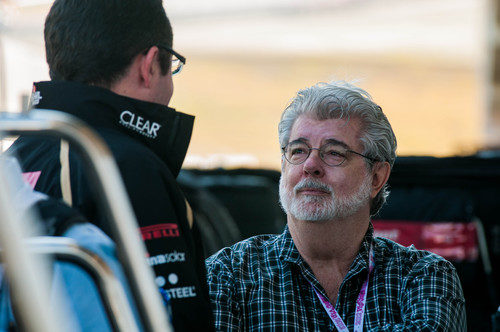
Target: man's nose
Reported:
[(313, 164)]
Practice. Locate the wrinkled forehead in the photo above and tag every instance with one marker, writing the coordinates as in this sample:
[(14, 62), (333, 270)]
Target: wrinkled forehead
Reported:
[(317, 132)]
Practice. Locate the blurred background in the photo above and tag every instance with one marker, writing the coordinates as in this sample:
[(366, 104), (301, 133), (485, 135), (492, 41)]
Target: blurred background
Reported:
[(428, 63), (433, 66)]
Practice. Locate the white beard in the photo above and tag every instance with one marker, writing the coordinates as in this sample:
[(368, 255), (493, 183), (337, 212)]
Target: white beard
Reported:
[(322, 208)]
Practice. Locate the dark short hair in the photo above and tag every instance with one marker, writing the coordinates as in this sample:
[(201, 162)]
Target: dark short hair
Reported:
[(94, 41)]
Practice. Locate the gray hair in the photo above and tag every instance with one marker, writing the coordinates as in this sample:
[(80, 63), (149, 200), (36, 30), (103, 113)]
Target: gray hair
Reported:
[(342, 100)]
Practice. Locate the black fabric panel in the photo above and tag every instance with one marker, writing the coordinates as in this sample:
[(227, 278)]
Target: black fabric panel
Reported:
[(217, 227), (419, 203), (252, 201)]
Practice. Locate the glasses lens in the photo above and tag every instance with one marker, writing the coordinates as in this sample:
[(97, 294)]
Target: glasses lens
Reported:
[(297, 152), (176, 65), (332, 154)]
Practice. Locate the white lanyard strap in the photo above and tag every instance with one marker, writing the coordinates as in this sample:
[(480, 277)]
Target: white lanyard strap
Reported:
[(360, 304)]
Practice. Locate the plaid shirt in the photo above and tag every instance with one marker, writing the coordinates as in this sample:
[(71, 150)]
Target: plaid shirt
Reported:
[(263, 283)]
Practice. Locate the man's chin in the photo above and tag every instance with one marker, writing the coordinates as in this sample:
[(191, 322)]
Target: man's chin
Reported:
[(316, 220), (313, 211), (314, 202), (312, 217)]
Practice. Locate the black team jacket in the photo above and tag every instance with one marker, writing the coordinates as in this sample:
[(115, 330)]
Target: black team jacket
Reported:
[(149, 142)]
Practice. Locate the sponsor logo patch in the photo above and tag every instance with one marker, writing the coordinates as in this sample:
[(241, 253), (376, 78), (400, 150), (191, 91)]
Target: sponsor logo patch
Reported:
[(172, 257), (35, 97), (139, 124), (176, 292), (159, 231), (182, 292), (31, 178)]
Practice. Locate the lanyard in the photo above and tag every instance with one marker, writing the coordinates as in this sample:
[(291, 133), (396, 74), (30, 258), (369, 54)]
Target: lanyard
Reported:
[(360, 304)]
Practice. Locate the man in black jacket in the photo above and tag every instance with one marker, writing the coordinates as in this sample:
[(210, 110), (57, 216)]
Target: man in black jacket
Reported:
[(111, 64)]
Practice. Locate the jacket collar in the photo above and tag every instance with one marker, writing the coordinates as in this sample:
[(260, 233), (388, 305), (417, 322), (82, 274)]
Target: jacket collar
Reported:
[(162, 129)]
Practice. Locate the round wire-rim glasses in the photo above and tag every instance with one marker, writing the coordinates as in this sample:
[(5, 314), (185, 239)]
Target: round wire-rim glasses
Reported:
[(297, 152)]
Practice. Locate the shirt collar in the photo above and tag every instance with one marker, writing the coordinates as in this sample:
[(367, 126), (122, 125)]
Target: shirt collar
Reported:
[(162, 129), (362, 260), (289, 252)]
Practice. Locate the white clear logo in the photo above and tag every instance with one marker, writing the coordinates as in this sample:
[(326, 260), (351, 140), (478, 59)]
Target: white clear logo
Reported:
[(139, 124), (172, 257)]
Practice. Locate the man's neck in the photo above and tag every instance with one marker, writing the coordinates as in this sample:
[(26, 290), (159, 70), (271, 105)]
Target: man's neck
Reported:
[(334, 240), (329, 247)]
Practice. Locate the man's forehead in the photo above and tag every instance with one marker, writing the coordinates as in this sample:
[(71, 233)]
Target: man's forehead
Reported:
[(329, 141), (329, 130)]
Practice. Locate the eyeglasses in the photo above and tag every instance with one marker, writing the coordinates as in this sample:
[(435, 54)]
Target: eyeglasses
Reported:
[(178, 61), (297, 152)]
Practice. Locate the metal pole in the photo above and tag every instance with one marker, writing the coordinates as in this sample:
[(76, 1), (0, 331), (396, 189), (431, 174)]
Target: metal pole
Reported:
[(3, 80), (27, 277), (112, 294), (112, 198)]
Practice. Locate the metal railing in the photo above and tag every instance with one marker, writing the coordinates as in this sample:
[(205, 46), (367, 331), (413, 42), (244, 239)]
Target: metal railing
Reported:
[(112, 198), (113, 297), (27, 276), (112, 294)]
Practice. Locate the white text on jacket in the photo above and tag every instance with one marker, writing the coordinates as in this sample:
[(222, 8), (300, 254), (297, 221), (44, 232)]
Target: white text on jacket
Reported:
[(137, 123), (172, 257)]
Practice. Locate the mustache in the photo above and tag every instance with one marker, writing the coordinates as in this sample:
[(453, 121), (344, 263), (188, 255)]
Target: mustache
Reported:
[(312, 184)]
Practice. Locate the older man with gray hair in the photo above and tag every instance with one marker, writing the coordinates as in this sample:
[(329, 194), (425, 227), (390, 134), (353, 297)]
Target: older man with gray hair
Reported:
[(327, 271)]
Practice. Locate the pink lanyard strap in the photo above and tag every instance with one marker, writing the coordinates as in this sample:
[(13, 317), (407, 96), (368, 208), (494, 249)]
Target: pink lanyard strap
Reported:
[(360, 304)]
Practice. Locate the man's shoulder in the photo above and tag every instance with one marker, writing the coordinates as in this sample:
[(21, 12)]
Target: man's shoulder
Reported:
[(39, 158), (26, 147), (254, 249), (392, 254), (125, 147), (133, 157)]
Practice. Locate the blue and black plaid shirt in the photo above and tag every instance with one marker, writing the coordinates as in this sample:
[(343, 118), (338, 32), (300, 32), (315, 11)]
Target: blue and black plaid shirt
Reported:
[(263, 283)]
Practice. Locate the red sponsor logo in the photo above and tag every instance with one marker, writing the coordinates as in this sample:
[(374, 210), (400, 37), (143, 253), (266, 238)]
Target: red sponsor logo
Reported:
[(159, 231), (456, 241)]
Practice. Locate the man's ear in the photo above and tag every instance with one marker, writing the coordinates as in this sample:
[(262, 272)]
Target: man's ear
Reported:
[(147, 66), (380, 175)]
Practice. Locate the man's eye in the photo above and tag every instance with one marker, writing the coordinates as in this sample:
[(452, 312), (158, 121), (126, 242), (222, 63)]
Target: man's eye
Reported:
[(297, 151), (334, 153), (333, 156)]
